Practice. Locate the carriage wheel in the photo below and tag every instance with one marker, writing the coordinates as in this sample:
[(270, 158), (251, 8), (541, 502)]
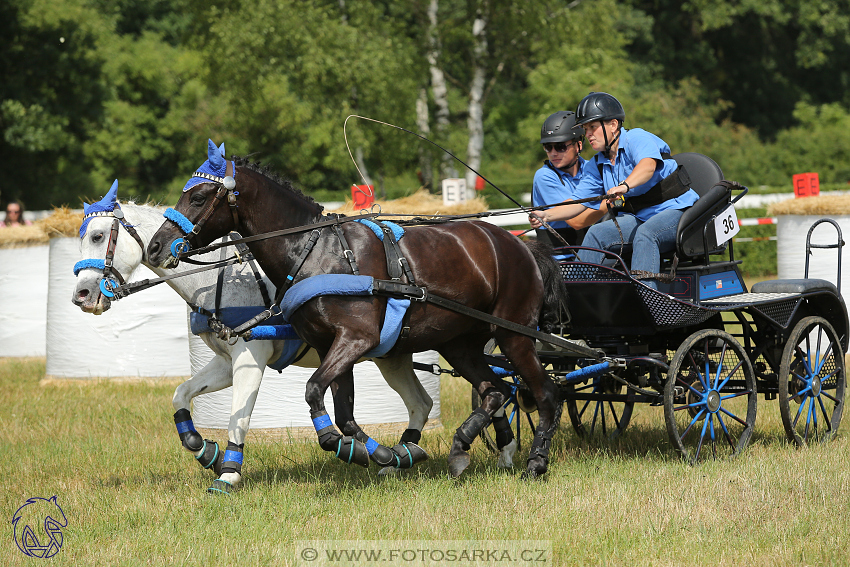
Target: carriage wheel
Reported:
[(811, 385), (710, 397), (598, 418)]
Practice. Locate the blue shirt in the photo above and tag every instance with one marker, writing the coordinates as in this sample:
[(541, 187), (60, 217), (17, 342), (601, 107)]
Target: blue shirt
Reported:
[(553, 186), (635, 145)]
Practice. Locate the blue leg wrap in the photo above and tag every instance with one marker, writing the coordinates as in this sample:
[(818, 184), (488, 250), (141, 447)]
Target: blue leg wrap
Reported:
[(190, 438), (232, 460)]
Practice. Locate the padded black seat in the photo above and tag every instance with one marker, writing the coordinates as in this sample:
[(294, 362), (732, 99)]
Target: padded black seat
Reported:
[(705, 175), (793, 286)]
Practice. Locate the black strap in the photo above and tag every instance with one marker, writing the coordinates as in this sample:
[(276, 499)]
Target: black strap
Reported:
[(276, 233), (391, 288), (269, 313), (346, 249), (674, 185)]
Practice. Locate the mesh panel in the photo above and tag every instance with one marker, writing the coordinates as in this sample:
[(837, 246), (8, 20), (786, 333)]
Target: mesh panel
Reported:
[(670, 313), (576, 271), (780, 312)]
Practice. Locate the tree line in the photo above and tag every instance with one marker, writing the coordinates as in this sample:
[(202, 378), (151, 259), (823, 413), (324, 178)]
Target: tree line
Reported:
[(95, 90)]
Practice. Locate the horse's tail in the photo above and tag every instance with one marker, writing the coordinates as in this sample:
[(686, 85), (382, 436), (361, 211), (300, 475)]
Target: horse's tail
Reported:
[(555, 308)]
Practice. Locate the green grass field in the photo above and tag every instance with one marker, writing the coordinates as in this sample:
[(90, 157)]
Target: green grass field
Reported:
[(133, 496)]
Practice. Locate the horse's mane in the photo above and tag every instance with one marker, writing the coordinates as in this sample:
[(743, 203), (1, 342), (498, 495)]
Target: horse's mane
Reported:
[(271, 175)]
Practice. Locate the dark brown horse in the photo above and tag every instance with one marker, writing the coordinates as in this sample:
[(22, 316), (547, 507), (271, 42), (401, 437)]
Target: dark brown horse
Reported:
[(474, 263)]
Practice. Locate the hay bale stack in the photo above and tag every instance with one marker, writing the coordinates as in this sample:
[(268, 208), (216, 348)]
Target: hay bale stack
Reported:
[(825, 206), (421, 203), (62, 222), (794, 219)]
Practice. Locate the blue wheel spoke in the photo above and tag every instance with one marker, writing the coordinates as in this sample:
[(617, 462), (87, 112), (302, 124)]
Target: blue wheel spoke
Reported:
[(701, 437), (828, 396), (825, 415), (804, 393), (818, 359), (825, 356), (693, 421), (808, 421), (720, 366), (799, 412), (814, 410), (729, 376), (733, 416), (689, 406), (595, 415), (689, 386), (726, 431), (827, 379), (736, 394), (696, 369)]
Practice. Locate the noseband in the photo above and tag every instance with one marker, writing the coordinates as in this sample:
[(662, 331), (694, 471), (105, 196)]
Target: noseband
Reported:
[(107, 283), (226, 186)]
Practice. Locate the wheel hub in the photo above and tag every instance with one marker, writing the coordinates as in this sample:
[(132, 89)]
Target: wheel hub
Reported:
[(712, 401), (816, 386)]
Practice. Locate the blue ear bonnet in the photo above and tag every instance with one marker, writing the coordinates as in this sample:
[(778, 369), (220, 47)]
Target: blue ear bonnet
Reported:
[(215, 165), (101, 208)]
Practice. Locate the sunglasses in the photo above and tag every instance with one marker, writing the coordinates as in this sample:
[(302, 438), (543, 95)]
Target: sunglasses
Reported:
[(559, 147)]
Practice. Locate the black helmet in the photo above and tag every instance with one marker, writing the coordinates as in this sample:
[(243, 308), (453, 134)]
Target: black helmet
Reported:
[(560, 127), (599, 106)]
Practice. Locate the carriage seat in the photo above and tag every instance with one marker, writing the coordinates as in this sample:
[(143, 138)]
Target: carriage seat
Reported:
[(793, 286), (705, 175)]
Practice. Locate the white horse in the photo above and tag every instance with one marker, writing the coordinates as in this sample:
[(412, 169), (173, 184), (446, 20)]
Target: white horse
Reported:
[(240, 364)]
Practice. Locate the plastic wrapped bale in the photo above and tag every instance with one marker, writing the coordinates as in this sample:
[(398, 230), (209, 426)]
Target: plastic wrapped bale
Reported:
[(794, 219), (24, 256), (143, 335)]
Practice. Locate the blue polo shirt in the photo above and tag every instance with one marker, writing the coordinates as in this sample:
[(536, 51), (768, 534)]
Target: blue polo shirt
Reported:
[(635, 145), (552, 186)]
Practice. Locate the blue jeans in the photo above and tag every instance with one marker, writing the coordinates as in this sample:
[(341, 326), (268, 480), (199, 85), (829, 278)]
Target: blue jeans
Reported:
[(649, 240)]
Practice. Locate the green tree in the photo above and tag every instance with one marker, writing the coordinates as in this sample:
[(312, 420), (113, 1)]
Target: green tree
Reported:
[(762, 56)]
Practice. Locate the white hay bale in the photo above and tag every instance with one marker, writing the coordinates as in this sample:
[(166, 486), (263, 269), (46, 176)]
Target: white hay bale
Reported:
[(791, 231), (23, 300), (140, 336)]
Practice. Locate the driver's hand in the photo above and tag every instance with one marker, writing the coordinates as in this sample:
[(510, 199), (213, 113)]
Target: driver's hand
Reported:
[(536, 218)]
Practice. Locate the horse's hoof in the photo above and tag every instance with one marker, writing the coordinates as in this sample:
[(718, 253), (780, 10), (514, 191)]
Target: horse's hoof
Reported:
[(388, 471), (221, 487), (506, 456), (535, 469), (409, 454), (458, 463)]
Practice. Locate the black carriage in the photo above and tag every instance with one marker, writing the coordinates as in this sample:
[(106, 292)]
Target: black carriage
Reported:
[(703, 346)]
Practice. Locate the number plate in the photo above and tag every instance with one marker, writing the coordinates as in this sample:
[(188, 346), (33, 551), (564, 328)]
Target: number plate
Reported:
[(726, 225)]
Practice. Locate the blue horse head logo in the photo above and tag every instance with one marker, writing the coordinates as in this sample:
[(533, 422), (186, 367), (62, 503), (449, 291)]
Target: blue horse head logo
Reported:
[(38, 527)]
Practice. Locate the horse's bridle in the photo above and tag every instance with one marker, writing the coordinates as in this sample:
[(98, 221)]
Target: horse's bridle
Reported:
[(107, 283), (226, 188)]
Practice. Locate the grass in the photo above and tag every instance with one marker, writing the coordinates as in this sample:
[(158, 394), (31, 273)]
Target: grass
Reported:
[(133, 496)]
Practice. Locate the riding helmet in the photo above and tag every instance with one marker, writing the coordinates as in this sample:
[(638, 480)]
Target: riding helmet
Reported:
[(599, 106), (560, 127)]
